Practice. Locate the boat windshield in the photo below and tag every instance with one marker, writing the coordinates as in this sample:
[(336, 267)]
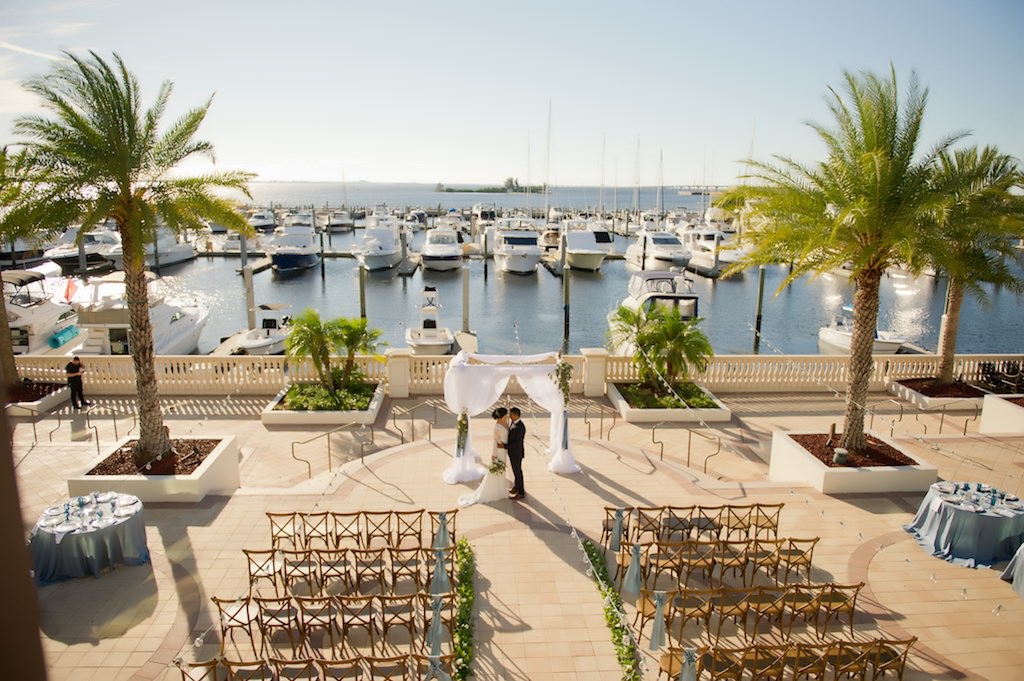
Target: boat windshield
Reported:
[(687, 305), (521, 240), (665, 239)]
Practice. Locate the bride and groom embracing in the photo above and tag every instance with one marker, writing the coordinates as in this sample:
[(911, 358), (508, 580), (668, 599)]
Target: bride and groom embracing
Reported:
[(509, 438)]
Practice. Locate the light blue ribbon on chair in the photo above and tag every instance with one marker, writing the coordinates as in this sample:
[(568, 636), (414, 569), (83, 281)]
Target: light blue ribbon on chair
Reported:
[(658, 630), (616, 541), (436, 630), (441, 539), (631, 581), (439, 583), (688, 670), (436, 672)]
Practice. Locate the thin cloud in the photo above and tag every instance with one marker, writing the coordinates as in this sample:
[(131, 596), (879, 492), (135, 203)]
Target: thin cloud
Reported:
[(24, 50)]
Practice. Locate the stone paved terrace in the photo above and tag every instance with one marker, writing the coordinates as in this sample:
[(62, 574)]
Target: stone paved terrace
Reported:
[(539, 615)]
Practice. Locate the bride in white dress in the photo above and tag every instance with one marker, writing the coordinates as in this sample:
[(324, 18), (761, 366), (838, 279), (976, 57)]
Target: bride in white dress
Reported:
[(494, 486)]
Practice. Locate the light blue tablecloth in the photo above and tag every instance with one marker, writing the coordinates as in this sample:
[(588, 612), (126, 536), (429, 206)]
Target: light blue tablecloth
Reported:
[(966, 537), (88, 552), (1014, 572)]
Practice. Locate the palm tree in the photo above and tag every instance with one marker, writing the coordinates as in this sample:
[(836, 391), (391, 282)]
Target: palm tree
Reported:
[(356, 337), (24, 192), (108, 159), (674, 345), (311, 337), (974, 241), (863, 205)]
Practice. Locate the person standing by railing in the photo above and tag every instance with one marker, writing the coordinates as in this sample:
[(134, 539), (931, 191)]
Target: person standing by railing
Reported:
[(74, 370)]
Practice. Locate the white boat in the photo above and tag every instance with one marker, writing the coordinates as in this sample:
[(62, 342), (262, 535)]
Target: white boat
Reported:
[(233, 243), (340, 221), (663, 289), (487, 233), (706, 245), (22, 253), (267, 339), (104, 319), (167, 250), (516, 249), (96, 244), (442, 249), (38, 323), (429, 338), (295, 248), (483, 214), (263, 220), (657, 251), (585, 248), (382, 246), (452, 220), (838, 335)]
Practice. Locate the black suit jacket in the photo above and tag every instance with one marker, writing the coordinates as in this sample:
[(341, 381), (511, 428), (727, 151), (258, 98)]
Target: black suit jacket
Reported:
[(516, 436)]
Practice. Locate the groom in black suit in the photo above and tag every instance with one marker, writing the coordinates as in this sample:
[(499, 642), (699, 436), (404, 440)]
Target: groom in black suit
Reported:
[(516, 452)]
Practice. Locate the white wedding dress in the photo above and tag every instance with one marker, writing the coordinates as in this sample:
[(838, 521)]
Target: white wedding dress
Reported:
[(494, 486)]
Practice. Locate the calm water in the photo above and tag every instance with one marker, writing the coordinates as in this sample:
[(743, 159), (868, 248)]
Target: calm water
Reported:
[(515, 314)]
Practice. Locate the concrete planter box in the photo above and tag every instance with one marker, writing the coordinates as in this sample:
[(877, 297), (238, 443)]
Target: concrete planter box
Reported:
[(631, 415), (926, 403), (790, 462), (281, 417), (218, 474), (999, 415), (41, 406)]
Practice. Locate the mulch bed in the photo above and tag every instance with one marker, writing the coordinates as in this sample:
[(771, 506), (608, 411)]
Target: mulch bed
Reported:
[(928, 388), (188, 455), (876, 453), (31, 391)]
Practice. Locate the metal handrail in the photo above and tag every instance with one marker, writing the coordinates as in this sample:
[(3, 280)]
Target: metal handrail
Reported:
[(35, 417), (689, 443), (412, 420), (973, 404), (327, 434), (113, 413), (654, 428), (872, 408), (601, 410)]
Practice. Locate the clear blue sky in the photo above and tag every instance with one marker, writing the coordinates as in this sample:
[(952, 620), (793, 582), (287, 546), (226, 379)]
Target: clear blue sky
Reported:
[(459, 91)]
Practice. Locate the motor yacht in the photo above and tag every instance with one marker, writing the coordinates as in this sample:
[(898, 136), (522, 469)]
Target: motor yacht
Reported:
[(96, 246), (38, 323), (709, 257), (585, 248), (340, 221), (168, 249), (294, 248), (664, 289), (103, 317), (442, 249), (382, 246), (516, 248), (657, 251), (263, 220), (837, 337), (268, 338), (429, 338)]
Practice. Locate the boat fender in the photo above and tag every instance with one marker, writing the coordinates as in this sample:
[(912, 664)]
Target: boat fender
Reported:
[(63, 336)]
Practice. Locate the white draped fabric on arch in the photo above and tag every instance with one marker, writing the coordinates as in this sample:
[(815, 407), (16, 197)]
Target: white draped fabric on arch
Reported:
[(474, 382)]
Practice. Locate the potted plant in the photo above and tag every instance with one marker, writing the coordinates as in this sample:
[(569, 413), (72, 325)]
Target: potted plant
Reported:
[(342, 394), (665, 346)]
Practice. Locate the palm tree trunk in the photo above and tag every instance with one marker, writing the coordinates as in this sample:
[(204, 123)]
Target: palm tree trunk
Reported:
[(153, 438), (8, 367), (950, 327), (865, 321)]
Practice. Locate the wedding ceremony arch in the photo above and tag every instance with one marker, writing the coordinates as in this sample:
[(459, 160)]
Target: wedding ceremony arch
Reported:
[(474, 382)]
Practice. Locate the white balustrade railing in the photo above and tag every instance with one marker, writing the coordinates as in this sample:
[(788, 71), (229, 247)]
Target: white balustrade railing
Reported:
[(253, 375)]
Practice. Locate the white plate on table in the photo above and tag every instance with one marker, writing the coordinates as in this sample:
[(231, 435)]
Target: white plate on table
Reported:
[(951, 498), (51, 520), (1005, 512), (973, 508), (945, 487), (1014, 505), (54, 511), (127, 500), (984, 488), (106, 497), (1011, 497), (124, 511), (69, 526)]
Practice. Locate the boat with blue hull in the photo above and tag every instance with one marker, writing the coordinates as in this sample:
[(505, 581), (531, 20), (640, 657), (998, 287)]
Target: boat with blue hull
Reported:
[(294, 249)]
